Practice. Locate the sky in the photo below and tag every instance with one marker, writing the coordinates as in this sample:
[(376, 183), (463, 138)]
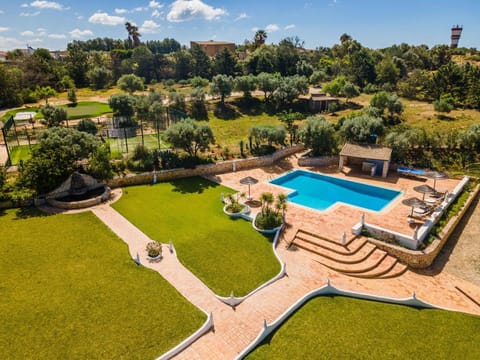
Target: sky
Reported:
[(374, 23)]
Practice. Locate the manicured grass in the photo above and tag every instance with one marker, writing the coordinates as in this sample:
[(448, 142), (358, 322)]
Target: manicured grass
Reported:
[(87, 109), (225, 254), (228, 133), (343, 328), (22, 152), (70, 290), (117, 146)]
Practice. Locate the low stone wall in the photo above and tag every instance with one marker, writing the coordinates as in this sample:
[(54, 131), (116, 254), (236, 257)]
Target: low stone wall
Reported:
[(424, 258), (210, 169), (71, 205), (318, 161)]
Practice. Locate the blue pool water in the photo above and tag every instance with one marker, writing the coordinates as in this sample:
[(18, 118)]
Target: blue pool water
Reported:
[(319, 191)]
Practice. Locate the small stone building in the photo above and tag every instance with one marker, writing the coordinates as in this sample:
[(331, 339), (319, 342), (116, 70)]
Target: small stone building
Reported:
[(372, 158), (320, 102), (213, 48)]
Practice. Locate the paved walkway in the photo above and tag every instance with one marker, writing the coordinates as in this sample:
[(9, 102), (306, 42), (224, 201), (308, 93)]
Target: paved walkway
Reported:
[(235, 329)]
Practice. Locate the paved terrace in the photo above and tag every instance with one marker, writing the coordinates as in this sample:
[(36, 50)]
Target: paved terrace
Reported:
[(339, 218)]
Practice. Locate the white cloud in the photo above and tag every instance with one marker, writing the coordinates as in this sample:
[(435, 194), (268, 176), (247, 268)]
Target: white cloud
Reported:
[(155, 5), (27, 33), (24, 5), (149, 27), (140, 8), (185, 10), (121, 11), (291, 26), (56, 36), (105, 19), (271, 28), (80, 17), (77, 33), (37, 40), (3, 29), (41, 4), (2, 12), (242, 16), (255, 29), (9, 43), (36, 13), (156, 13)]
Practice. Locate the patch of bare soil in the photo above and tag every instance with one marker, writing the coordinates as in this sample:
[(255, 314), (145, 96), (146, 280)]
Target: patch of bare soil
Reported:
[(461, 254)]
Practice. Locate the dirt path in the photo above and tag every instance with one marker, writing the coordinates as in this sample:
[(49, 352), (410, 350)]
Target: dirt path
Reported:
[(461, 254)]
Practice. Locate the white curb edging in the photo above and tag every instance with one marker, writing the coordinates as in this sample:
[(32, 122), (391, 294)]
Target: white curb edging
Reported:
[(329, 289), (190, 340)]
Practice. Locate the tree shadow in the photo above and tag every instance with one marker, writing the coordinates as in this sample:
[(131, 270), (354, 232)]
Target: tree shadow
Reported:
[(226, 112), (251, 106), (193, 185), (29, 212), (445, 117)]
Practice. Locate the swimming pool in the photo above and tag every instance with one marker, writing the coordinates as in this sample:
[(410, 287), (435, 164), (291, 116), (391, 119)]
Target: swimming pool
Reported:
[(320, 191)]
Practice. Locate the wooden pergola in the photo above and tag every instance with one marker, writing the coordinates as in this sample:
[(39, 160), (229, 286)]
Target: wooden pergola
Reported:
[(369, 153)]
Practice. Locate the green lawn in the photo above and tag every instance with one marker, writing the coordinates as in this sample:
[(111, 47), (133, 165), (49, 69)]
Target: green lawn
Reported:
[(118, 147), (21, 152), (333, 327), (87, 109), (70, 290), (225, 254)]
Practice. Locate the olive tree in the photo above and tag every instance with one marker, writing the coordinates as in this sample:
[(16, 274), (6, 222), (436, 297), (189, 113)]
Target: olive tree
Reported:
[(362, 128), (189, 136), (318, 134)]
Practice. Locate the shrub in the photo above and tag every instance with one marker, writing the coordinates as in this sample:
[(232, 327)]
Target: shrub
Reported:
[(234, 206), (154, 249), (88, 126), (142, 159), (271, 217)]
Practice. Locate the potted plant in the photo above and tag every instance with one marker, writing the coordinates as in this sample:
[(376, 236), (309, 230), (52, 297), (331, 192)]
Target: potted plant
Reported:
[(154, 250), (233, 207), (272, 214)]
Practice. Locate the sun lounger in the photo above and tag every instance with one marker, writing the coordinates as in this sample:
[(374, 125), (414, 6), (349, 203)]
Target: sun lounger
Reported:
[(410, 171)]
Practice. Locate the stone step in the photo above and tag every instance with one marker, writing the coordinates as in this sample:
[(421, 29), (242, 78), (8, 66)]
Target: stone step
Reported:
[(361, 253), (338, 241), (397, 270), (375, 258), (384, 267), (353, 246)]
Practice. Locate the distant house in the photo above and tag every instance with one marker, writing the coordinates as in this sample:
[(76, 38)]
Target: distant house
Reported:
[(319, 102), (213, 48), (3, 56)]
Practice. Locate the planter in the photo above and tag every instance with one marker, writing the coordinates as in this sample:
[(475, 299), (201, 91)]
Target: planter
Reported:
[(265, 231), (153, 258), (245, 210)]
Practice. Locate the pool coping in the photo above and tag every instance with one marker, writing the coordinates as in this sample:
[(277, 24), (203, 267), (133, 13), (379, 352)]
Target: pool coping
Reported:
[(337, 204)]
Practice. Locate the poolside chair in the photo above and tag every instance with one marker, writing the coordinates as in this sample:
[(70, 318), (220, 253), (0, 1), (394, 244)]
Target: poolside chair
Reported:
[(410, 171)]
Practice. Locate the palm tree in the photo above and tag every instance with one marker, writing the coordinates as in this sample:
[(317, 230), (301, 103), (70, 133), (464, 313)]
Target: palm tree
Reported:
[(259, 38), (133, 35), (266, 199)]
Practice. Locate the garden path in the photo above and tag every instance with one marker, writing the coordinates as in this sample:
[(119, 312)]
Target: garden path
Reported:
[(235, 328)]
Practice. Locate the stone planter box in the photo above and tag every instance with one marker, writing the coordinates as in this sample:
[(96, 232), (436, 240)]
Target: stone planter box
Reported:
[(265, 231), (245, 210), (155, 258)]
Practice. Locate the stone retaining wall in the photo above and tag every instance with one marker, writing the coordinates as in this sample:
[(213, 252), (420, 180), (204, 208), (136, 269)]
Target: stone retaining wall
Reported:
[(318, 161), (210, 169), (424, 258)]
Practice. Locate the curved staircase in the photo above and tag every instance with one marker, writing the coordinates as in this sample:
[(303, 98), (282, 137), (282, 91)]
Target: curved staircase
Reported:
[(357, 258)]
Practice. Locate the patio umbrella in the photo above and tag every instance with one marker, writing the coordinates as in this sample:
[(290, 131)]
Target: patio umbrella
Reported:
[(248, 181), (424, 189), (413, 202), (436, 175)]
